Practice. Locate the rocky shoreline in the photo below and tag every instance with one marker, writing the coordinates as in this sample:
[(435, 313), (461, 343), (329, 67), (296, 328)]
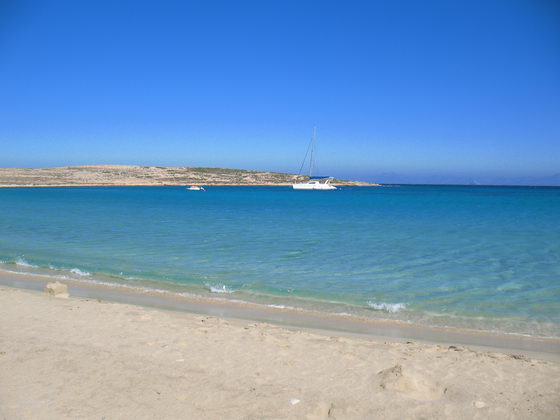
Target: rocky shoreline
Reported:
[(128, 175)]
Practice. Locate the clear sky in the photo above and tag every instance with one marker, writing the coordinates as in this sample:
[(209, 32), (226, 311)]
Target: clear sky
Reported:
[(416, 89)]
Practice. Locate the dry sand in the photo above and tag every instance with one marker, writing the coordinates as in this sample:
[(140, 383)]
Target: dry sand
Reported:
[(79, 358)]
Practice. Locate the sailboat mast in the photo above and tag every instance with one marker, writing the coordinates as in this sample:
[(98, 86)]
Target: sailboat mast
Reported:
[(311, 161)]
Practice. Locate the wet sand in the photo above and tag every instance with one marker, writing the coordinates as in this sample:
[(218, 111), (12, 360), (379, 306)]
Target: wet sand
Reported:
[(542, 348)]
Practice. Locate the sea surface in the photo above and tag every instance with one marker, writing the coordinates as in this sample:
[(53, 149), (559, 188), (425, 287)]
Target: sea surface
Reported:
[(484, 258)]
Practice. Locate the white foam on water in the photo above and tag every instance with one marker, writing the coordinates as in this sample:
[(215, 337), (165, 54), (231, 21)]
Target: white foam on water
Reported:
[(124, 276), (219, 288), (281, 307), (79, 272), (386, 307), (50, 276), (22, 263), (382, 306)]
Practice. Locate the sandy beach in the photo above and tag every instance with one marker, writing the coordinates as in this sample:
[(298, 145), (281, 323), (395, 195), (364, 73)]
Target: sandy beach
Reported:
[(87, 358)]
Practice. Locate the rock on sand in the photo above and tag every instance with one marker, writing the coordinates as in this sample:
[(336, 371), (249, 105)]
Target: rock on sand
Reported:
[(57, 289)]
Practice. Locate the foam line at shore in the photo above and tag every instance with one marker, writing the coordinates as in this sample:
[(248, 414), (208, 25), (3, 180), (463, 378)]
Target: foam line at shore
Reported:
[(229, 308), (377, 310)]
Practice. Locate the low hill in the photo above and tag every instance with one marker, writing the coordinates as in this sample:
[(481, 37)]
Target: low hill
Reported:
[(98, 175)]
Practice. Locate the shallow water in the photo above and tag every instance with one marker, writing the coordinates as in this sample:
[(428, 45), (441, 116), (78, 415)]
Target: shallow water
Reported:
[(476, 257)]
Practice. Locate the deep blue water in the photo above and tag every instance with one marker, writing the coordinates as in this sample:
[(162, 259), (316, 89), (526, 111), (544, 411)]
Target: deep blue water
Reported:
[(476, 257)]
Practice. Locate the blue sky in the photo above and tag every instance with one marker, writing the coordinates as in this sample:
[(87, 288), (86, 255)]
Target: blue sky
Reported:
[(439, 90)]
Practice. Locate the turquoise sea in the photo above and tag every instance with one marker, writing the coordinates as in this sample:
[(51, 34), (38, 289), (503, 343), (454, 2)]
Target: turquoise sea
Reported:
[(486, 258)]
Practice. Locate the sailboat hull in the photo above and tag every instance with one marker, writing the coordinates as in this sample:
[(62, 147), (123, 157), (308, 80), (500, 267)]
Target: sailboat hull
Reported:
[(313, 186)]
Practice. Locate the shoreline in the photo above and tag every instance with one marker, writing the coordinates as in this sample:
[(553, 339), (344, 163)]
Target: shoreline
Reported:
[(134, 175), (392, 330), (86, 358), (174, 185)]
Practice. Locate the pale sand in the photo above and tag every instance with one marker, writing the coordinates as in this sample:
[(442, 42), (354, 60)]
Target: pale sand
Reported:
[(79, 358)]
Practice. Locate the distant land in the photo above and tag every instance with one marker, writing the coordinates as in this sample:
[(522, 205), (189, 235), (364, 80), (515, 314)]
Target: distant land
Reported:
[(442, 179), (123, 175)]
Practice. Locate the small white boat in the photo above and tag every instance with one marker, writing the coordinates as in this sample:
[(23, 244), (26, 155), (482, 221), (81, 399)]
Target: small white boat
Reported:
[(196, 188), (314, 182)]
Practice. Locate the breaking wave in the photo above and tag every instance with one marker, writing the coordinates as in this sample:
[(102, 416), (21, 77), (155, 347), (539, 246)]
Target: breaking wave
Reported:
[(281, 306), (22, 263), (387, 307), (79, 272), (219, 288)]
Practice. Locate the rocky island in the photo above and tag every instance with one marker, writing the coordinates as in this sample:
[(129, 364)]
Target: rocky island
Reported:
[(107, 175)]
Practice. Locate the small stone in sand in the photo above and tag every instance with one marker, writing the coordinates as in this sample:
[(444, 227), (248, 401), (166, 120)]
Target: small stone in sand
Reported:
[(520, 357), (413, 383), (57, 289), (479, 404), (294, 401), (457, 348)]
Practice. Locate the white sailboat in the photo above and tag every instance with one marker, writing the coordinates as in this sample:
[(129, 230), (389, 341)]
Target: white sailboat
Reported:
[(315, 182)]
